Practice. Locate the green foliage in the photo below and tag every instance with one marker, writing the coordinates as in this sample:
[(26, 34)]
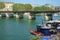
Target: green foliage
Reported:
[(28, 7), (2, 5), (19, 7), (35, 37), (43, 8)]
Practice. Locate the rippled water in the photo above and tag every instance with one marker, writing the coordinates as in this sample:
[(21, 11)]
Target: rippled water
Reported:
[(18, 29)]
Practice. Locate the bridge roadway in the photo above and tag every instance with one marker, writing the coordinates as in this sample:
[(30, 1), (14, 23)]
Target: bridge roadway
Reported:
[(40, 11)]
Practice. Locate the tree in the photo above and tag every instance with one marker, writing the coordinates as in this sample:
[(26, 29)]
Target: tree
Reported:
[(2, 5), (43, 8), (28, 7), (18, 7)]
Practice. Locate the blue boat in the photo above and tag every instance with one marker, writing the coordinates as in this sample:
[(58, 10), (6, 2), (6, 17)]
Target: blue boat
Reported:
[(46, 27)]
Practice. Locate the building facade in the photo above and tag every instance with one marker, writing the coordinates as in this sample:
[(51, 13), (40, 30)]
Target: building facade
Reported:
[(8, 6)]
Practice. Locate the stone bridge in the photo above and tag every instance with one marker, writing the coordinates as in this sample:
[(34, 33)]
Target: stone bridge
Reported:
[(31, 14)]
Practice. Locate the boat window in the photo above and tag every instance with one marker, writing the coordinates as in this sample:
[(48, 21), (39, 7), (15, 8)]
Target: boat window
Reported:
[(58, 26), (49, 24)]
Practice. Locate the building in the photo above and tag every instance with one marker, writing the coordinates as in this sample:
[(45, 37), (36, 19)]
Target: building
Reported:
[(57, 8), (51, 6), (8, 6)]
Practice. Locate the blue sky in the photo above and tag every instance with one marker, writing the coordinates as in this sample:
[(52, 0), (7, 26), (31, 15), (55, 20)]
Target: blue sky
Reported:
[(40, 2)]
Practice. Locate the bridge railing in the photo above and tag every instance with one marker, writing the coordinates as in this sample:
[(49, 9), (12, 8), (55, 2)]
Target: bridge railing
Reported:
[(39, 11)]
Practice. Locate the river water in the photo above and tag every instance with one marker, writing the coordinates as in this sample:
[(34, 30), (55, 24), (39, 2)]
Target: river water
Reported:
[(18, 29)]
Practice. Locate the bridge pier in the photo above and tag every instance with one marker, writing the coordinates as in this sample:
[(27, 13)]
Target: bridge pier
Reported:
[(7, 15), (18, 15), (31, 16), (0, 15), (48, 16), (26, 13)]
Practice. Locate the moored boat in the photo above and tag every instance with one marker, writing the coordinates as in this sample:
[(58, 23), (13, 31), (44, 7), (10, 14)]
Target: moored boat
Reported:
[(35, 32), (45, 28)]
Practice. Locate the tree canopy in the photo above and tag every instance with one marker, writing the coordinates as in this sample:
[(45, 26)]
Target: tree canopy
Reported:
[(19, 7), (28, 7), (43, 8), (2, 5)]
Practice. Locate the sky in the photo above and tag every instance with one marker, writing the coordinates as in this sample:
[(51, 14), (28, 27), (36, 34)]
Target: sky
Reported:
[(38, 2)]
